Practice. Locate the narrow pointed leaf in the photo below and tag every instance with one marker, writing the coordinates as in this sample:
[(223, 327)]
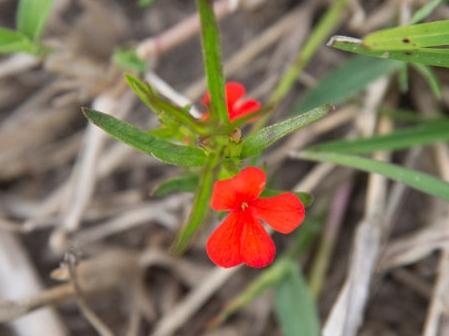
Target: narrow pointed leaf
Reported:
[(13, 41), (163, 150), (430, 77), (210, 38), (164, 108), (267, 279), (32, 16), (431, 34), (346, 81), (426, 10), (417, 180), (265, 137), (186, 183), (424, 134), (295, 307), (428, 56)]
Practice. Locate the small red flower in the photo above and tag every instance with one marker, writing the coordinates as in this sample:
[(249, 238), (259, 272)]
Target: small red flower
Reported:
[(237, 105), (241, 238)]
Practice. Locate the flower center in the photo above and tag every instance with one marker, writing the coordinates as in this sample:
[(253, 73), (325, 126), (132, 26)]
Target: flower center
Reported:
[(244, 205)]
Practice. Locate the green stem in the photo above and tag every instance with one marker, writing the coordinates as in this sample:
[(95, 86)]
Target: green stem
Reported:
[(325, 27), (200, 208), (210, 39)]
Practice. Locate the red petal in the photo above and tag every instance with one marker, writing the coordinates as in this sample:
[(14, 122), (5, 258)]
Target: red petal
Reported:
[(257, 247), (247, 107), (205, 100), (234, 91), (283, 213), (223, 245), (246, 186)]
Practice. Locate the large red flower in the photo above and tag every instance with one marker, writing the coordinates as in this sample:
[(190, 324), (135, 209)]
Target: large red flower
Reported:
[(237, 105), (241, 238)]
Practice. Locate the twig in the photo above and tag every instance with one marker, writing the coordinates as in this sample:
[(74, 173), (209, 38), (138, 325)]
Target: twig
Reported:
[(155, 46), (347, 312), (18, 278), (70, 260)]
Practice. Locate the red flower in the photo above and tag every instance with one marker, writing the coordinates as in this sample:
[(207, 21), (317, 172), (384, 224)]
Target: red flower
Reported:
[(237, 105), (241, 237)]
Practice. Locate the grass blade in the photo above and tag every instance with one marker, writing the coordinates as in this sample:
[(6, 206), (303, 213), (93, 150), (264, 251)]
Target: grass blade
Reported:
[(431, 34), (427, 56), (424, 134), (295, 307), (426, 10), (346, 81), (417, 180)]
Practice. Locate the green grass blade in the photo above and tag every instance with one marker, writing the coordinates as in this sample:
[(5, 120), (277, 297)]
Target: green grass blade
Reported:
[(424, 134), (426, 10), (427, 56), (32, 16), (349, 79), (430, 78), (431, 34), (163, 150), (417, 180), (295, 307), (210, 38), (265, 137), (13, 41)]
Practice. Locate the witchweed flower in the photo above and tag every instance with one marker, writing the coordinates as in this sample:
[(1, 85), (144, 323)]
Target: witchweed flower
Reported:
[(241, 237), (238, 106)]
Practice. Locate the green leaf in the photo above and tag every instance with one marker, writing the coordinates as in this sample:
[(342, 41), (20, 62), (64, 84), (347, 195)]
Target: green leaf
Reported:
[(210, 39), (305, 198), (200, 207), (127, 59), (346, 81), (417, 180), (295, 307), (424, 134), (432, 34), (13, 41), (328, 22), (426, 10), (166, 110), (428, 56), (267, 279), (186, 183), (163, 150), (431, 79), (265, 137), (32, 17)]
